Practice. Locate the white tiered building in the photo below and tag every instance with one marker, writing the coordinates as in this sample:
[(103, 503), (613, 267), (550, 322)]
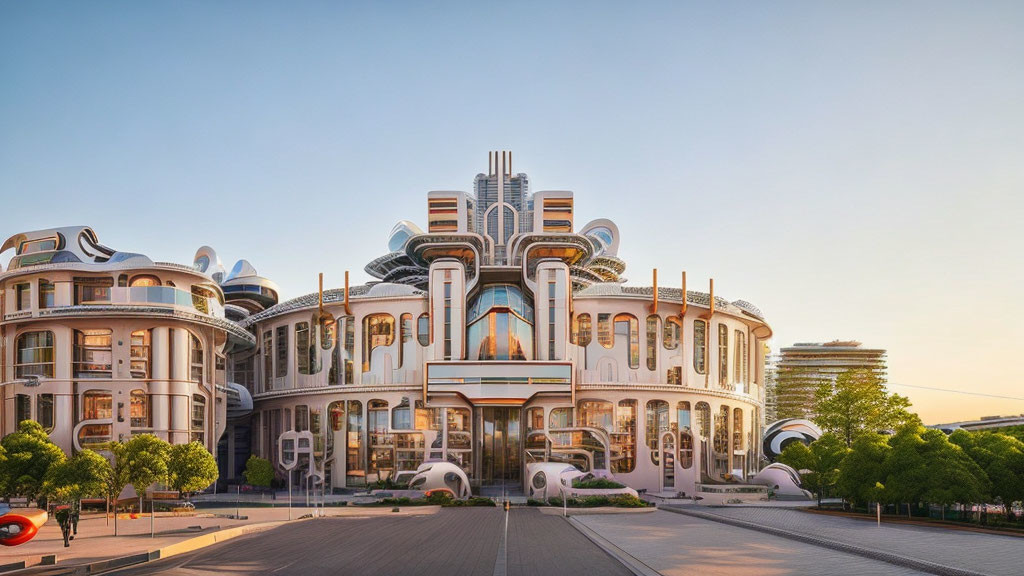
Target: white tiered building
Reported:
[(499, 337)]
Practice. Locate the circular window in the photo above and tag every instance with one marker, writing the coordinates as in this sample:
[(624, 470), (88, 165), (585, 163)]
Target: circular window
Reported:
[(539, 481)]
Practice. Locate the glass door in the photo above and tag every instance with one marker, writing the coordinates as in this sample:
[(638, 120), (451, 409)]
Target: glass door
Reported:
[(501, 453)]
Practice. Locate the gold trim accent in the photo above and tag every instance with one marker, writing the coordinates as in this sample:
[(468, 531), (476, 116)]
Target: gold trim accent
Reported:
[(348, 310), (686, 303), (654, 304)]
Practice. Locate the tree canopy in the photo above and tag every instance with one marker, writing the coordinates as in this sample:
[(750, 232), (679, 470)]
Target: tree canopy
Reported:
[(858, 403), (29, 453), (259, 471), (818, 463), (81, 476), (1002, 459), (191, 467)]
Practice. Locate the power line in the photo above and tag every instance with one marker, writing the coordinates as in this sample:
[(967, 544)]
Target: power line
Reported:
[(958, 391)]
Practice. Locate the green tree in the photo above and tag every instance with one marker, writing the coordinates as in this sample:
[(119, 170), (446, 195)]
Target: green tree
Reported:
[(144, 461), (818, 463), (856, 403), (259, 471), (1002, 459), (924, 466), (191, 467), (862, 472), (81, 476), (29, 455)]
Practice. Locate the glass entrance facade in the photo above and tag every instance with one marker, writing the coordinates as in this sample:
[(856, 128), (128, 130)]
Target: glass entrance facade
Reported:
[(501, 448)]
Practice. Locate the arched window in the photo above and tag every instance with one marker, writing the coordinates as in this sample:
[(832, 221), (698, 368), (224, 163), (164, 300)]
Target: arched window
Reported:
[(378, 330), (700, 348), (657, 423), (673, 328), (723, 354), (401, 416), (198, 418), (197, 359), (140, 354), (597, 414), (35, 355), (652, 341), (624, 442), (97, 405), (328, 330), (500, 324), (582, 330), (685, 449), (93, 357), (144, 281), (423, 330), (627, 326), (139, 411), (737, 437), (560, 418), (307, 355)]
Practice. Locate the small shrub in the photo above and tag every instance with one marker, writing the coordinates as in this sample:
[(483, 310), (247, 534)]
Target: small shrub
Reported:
[(440, 497), (627, 501), (536, 502), (596, 483)]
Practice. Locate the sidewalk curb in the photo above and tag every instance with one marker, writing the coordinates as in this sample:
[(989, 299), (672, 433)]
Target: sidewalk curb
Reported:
[(632, 563), (168, 551), (895, 559)]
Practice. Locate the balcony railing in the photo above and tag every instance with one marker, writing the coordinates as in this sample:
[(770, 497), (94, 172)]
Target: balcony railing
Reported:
[(158, 296)]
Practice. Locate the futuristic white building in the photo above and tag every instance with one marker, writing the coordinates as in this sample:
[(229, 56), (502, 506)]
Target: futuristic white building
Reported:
[(501, 336)]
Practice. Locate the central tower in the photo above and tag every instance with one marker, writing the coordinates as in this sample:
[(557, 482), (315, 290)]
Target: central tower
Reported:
[(503, 205)]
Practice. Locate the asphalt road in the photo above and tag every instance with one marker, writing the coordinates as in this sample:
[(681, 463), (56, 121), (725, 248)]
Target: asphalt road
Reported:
[(452, 542)]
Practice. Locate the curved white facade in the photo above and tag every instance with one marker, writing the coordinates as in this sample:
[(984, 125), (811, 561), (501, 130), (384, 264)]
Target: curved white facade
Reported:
[(492, 350)]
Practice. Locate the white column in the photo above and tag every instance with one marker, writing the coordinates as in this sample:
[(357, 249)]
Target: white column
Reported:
[(159, 388), (180, 388)]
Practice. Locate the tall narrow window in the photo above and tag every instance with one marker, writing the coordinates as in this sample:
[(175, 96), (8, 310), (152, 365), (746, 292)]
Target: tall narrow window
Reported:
[(302, 346), (23, 296), (723, 354), (583, 329), (140, 354), (378, 330), (197, 359), (401, 416), (657, 423), (382, 449), (673, 328), (268, 359), (447, 319), (604, 330), (282, 352), (350, 347), (551, 315), (34, 355), (22, 408), (423, 330), (44, 411), (737, 439), (652, 342), (625, 460), (140, 409), (739, 339), (45, 294), (92, 355), (334, 374), (355, 445), (685, 435), (628, 328), (198, 418), (721, 443), (700, 349), (405, 329), (702, 425), (301, 418)]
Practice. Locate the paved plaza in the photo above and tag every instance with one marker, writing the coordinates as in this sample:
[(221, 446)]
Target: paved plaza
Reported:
[(677, 545), (974, 551), (470, 541)]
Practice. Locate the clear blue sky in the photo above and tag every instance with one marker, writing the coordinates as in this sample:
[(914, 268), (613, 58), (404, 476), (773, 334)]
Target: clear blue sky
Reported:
[(855, 170)]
